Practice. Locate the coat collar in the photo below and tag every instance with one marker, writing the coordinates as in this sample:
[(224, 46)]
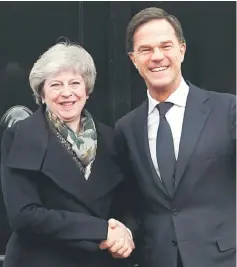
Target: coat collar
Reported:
[(36, 148), (30, 143)]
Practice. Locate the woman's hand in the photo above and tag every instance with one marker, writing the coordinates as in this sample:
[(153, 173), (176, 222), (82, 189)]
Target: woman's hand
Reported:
[(119, 240)]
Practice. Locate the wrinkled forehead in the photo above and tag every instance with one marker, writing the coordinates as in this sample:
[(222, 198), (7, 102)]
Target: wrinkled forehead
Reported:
[(158, 30), (64, 74)]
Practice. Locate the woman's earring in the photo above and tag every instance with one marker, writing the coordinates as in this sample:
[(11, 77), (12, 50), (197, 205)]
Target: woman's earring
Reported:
[(43, 102)]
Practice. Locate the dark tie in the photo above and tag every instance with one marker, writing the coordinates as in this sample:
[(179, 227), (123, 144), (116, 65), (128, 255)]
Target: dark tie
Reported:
[(165, 149)]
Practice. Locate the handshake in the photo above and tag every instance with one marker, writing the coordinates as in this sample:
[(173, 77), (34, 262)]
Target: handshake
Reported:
[(119, 240)]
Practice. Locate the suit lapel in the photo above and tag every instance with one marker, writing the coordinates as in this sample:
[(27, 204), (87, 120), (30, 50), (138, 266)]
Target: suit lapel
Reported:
[(195, 116), (141, 135)]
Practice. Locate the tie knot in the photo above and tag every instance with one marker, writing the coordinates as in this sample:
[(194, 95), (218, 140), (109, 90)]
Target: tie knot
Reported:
[(163, 107)]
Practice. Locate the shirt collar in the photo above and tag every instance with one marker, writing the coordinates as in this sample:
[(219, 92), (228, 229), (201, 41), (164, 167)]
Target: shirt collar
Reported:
[(178, 97)]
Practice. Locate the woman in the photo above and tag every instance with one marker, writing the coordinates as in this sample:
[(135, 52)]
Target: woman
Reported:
[(58, 176)]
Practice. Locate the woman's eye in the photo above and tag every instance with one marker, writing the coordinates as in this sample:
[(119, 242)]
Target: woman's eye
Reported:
[(54, 85), (75, 83)]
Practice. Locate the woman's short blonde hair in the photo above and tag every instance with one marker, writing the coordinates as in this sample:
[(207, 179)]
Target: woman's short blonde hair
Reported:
[(61, 57)]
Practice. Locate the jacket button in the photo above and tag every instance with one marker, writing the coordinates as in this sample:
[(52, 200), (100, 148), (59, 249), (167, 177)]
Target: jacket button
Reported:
[(174, 243), (174, 212)]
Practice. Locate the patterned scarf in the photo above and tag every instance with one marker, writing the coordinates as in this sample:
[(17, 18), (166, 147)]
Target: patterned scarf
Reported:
[(82, 144)]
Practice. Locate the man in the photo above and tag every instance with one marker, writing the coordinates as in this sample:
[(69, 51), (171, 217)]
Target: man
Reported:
[(178, 151)]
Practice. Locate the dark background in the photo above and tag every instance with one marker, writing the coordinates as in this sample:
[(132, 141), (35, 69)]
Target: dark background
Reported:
[(27, 29)]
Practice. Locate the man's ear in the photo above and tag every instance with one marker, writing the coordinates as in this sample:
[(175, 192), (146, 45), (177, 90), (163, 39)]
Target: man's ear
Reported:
[(133, 58), (182, 51)]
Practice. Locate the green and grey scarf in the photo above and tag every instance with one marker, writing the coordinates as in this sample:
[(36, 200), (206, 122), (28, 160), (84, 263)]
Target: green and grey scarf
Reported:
[(82, 144)]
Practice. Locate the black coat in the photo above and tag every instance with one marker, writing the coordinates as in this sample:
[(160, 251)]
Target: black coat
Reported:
[(5, 230), (58, 218)]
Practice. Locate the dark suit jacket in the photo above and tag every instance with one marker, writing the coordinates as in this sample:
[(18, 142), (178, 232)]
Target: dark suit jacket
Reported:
[(199, 219), (58, 218)]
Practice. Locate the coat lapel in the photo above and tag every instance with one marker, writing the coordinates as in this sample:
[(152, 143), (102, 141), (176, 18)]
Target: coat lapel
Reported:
[(196, 114), (30, 143), (63, 170), (141, 136), (105, 174), (36, 148)]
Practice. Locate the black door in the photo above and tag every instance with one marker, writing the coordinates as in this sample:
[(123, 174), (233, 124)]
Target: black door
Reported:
[(28, 28)]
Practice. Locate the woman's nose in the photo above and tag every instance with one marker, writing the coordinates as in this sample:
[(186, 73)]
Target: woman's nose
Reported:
[(66, 91)]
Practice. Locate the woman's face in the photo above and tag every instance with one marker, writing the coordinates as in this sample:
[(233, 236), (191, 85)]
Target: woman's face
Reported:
[(65, 95)]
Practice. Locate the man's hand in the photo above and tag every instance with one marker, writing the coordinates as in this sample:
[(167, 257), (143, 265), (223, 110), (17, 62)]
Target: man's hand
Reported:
[(119, 240), (113, 223)]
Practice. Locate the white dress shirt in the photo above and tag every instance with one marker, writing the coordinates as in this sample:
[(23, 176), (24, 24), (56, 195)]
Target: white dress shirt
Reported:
[(174, 117)]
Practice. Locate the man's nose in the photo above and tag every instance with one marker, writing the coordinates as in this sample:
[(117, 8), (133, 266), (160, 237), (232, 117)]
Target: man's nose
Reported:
[(157, 54)]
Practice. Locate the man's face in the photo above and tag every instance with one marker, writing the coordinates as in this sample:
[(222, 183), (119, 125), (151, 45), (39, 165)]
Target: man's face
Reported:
[(158, 55)]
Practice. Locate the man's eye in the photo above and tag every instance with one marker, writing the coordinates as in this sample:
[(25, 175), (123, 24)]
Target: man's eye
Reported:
[(166, 47), (145, 50)]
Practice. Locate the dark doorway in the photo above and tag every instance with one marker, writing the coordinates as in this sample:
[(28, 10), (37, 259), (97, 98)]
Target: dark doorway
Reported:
[(29, 28)]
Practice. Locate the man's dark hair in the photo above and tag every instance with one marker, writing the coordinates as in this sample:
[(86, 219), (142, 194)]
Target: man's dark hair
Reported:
[(146, 15)]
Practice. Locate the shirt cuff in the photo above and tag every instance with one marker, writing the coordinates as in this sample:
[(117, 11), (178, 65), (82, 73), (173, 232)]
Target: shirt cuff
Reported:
[(130, 233)]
